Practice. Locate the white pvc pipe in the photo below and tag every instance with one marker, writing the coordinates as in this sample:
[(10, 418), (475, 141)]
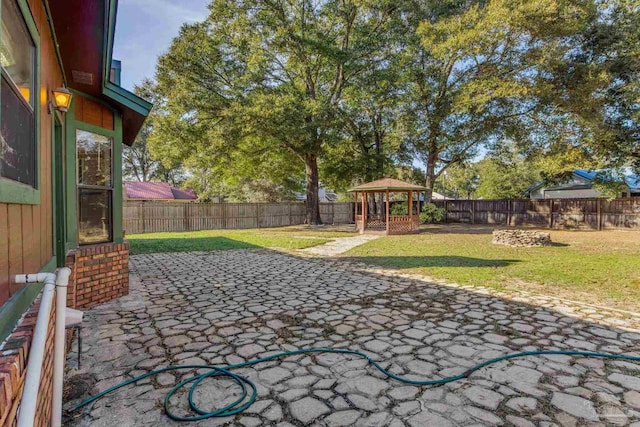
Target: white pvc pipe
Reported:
[(27, 412), (62, 280), (59, 282)]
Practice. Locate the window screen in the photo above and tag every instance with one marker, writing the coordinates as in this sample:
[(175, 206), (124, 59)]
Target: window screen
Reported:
[(95, 215), (18, 97), (17, 140), (95, 187), (94, 159)]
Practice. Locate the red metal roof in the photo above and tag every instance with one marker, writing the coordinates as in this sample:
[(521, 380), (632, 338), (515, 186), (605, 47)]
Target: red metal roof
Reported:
[(157, 191), (184, 193)]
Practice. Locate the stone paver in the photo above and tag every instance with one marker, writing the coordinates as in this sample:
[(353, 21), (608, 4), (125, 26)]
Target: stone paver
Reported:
[(227, 307), (340, 245)]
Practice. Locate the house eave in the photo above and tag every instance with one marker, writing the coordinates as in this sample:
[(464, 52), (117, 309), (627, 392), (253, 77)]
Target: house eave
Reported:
[(85, 32)]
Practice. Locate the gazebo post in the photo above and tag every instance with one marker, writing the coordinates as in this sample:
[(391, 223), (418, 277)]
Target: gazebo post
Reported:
[(355, 211), (387, 222), (364, 212), (410, 205)]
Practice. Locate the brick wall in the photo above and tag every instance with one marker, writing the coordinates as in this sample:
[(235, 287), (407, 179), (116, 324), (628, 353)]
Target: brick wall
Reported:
[(14, 354), (100, 274)]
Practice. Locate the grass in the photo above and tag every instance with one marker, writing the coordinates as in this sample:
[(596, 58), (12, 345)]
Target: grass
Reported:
[(287, 238), (601, 268)]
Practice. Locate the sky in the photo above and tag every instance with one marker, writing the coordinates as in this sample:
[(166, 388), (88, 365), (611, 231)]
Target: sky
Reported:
[(144, 30)]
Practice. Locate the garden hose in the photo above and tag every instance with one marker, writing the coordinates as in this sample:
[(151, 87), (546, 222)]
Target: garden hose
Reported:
[(244, 383)]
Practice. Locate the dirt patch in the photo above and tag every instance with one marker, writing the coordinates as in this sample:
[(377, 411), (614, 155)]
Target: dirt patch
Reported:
[(78, 386)]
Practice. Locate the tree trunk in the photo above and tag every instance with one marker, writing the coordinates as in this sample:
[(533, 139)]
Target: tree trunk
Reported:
[(431, 178), (313, 201), (373, 204)]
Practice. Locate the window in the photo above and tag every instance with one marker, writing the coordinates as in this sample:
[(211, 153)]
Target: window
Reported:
[(18, 97), (95, 187)]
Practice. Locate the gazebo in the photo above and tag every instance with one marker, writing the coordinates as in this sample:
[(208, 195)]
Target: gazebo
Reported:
[(387, 223)]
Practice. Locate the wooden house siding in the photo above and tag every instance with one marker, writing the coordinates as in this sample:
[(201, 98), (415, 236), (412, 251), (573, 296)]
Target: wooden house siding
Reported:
[(26, 231), (93, 113)]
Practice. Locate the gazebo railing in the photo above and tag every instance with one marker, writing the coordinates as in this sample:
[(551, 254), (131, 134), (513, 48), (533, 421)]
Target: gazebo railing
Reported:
[(398, 224), (401, 224)]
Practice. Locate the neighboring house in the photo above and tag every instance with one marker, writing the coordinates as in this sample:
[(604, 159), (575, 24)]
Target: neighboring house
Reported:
[(161, 191), (60, 172), (323, 194), (580, 185), (435, 196)]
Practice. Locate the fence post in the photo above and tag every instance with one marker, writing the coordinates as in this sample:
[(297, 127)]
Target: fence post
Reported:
[(551, 213), (599, 213), (144, 228), (223, 216), (333, 213), (257, 215), (446, 211), (509, 206), (473, 212)]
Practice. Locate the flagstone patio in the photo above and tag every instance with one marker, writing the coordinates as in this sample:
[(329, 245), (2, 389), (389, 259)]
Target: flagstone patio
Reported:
[(230, 306)]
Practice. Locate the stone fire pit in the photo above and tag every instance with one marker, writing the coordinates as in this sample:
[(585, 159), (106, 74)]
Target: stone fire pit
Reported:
[(521, 238)]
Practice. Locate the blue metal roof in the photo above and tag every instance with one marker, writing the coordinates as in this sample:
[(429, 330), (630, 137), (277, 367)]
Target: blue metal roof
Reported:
[(590, 175), (633, 181)]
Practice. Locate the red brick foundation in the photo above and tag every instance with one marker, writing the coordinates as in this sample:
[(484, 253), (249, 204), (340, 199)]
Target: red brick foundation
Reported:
[(14, 355), (100, 274)]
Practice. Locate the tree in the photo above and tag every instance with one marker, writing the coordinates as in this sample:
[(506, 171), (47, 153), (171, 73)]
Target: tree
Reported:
[(367, 124), (275, 88), (474, 74), (501, 180), (139, 162), (136, 160), (597, 121), (459, 181), (369, 148)]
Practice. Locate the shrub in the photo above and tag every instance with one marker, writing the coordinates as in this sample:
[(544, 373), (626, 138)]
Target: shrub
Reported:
[(431, 214), (399, 208)]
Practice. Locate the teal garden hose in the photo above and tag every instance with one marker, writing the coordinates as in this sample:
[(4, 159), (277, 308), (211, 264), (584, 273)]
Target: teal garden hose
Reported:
[(248, 388)]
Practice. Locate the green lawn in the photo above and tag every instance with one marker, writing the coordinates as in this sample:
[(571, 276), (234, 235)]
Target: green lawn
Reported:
[(601, 268), (209, 240)]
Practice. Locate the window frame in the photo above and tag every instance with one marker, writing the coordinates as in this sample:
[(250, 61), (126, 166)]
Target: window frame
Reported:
[(86, 127), (13, 191)]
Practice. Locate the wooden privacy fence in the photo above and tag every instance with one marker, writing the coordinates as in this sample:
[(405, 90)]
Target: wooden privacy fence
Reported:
[(152, 216), (596, 214)]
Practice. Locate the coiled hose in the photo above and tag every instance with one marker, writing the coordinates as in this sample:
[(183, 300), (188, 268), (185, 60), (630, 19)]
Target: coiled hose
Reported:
[(245, 384)]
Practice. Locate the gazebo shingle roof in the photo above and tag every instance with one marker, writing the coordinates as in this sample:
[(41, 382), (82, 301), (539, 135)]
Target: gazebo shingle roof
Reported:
[(390, 184)]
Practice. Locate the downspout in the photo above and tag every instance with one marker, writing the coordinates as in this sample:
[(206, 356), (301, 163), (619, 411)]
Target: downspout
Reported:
[(27, 412)]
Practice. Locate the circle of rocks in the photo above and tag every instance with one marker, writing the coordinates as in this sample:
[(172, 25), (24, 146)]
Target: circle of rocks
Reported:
[(521, 238)]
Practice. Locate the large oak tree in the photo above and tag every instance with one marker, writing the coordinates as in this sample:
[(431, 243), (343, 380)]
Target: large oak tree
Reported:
[(475, 73), (266, 76)]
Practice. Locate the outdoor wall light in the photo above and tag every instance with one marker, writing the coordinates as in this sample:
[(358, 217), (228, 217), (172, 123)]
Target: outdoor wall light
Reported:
[(62, 99)]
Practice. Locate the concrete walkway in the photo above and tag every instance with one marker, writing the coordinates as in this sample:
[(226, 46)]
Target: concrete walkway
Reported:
[(339, 245), (226, 307)]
